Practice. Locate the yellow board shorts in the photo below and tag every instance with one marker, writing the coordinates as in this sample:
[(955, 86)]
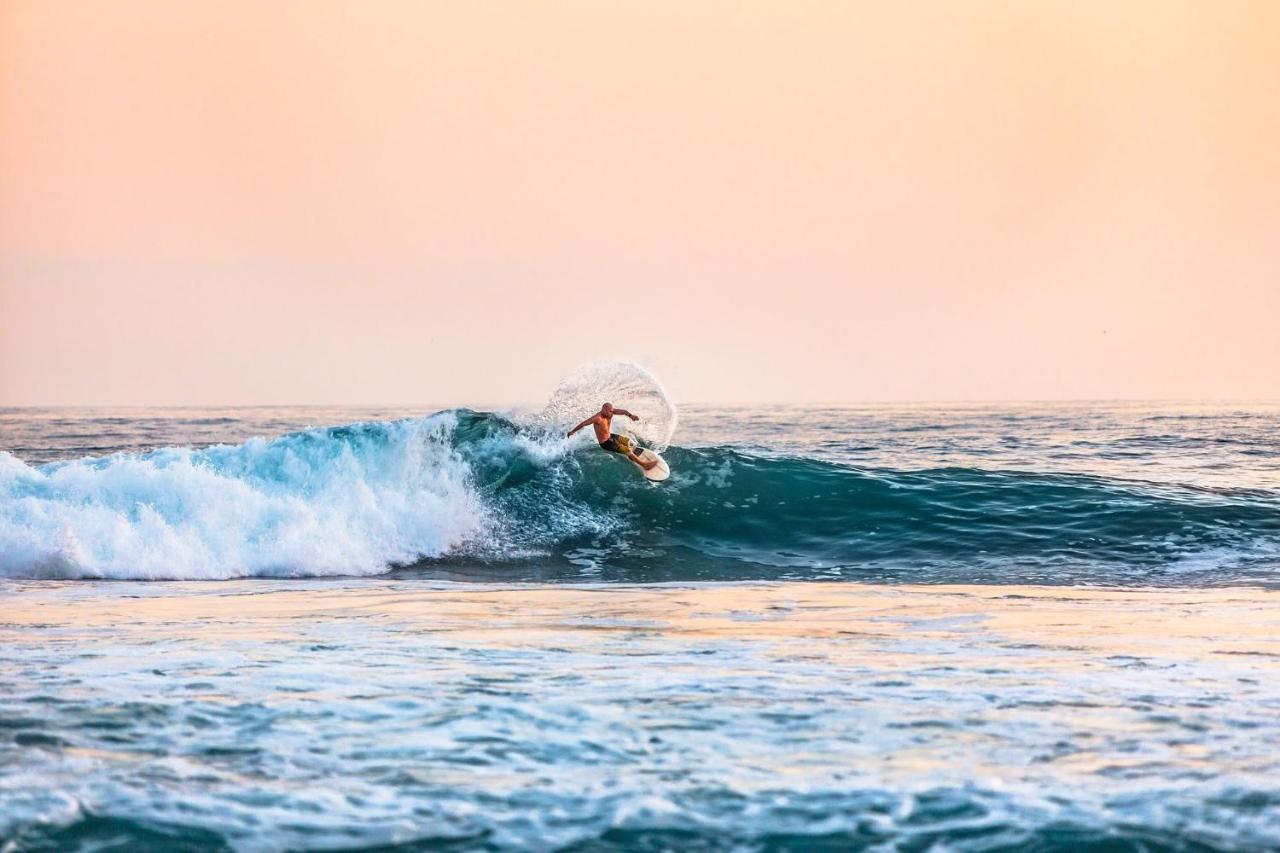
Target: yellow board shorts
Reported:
[(618, 444)]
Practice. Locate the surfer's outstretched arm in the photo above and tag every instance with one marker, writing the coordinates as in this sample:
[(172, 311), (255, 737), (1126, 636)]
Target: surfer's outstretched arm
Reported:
[(628, 414), (580, 426)]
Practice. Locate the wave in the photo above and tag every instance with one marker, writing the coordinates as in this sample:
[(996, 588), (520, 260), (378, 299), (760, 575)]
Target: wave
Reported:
[(349, 500), (1228, 818), (476, 494)]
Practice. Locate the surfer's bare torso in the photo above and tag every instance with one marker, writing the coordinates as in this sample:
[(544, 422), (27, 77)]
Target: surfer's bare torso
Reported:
[(602, 422)]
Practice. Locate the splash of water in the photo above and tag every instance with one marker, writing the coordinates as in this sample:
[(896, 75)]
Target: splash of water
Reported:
[(625, 384)]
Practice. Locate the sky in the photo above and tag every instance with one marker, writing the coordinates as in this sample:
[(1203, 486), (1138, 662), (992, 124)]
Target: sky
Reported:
[(235, 202)]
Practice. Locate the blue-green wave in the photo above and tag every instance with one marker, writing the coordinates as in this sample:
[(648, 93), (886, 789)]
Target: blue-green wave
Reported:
[(728, 513), (470, 494)]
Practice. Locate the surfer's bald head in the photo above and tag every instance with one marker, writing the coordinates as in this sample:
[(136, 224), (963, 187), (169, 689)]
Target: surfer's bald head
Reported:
[(607, 408)]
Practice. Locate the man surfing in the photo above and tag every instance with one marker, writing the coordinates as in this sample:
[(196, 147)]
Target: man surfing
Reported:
[(601, 421)]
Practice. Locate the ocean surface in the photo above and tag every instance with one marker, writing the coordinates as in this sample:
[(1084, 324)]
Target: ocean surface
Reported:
[(963, 627)]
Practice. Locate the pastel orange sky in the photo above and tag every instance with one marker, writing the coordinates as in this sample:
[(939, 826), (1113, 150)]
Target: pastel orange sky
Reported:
[(396, 202)]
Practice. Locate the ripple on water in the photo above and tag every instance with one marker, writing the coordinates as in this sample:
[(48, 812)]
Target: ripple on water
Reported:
[(984, 731)]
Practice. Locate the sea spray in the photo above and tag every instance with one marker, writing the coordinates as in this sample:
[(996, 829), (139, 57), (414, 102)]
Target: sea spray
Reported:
[(625, 384)]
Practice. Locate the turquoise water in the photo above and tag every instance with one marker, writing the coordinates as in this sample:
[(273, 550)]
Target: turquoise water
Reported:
[(1066, 494), (913, 627)]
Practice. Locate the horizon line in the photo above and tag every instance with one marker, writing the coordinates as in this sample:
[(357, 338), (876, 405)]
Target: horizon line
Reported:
[(491, 406)]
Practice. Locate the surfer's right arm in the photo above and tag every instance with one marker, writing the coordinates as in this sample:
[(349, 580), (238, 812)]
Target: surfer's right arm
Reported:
[(580, 426)]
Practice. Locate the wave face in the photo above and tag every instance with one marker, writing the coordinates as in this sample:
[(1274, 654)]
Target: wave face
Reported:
[(472, 494)]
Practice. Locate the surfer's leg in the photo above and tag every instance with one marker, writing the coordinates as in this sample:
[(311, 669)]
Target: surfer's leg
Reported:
[(645, 465)]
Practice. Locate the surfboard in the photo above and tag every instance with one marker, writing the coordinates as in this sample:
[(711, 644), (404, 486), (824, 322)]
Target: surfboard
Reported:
[(658, 472)]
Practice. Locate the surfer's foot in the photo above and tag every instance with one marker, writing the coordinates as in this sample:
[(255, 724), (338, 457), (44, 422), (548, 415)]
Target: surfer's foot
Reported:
[(643, 464)]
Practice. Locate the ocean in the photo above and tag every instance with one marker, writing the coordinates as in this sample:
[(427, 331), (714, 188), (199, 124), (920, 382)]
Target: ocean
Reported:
[(907, 627)]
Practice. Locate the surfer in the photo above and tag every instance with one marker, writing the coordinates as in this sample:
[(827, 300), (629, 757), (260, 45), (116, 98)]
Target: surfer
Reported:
[(612, 442)]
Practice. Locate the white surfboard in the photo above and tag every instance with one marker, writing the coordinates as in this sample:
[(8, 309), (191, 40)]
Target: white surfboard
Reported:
[(658, 472)]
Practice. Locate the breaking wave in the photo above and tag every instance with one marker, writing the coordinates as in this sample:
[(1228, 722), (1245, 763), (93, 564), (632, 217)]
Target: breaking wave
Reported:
[(463, 492)]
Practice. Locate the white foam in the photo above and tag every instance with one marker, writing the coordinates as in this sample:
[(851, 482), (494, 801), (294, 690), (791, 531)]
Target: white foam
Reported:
[(345, 501), (348, 501)]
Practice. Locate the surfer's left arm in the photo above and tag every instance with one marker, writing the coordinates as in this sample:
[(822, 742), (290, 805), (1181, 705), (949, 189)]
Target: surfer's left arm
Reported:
[(580, 426), (628, 414)]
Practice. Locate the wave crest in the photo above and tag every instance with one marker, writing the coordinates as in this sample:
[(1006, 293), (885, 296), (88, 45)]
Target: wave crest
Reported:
[(349, 500)]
